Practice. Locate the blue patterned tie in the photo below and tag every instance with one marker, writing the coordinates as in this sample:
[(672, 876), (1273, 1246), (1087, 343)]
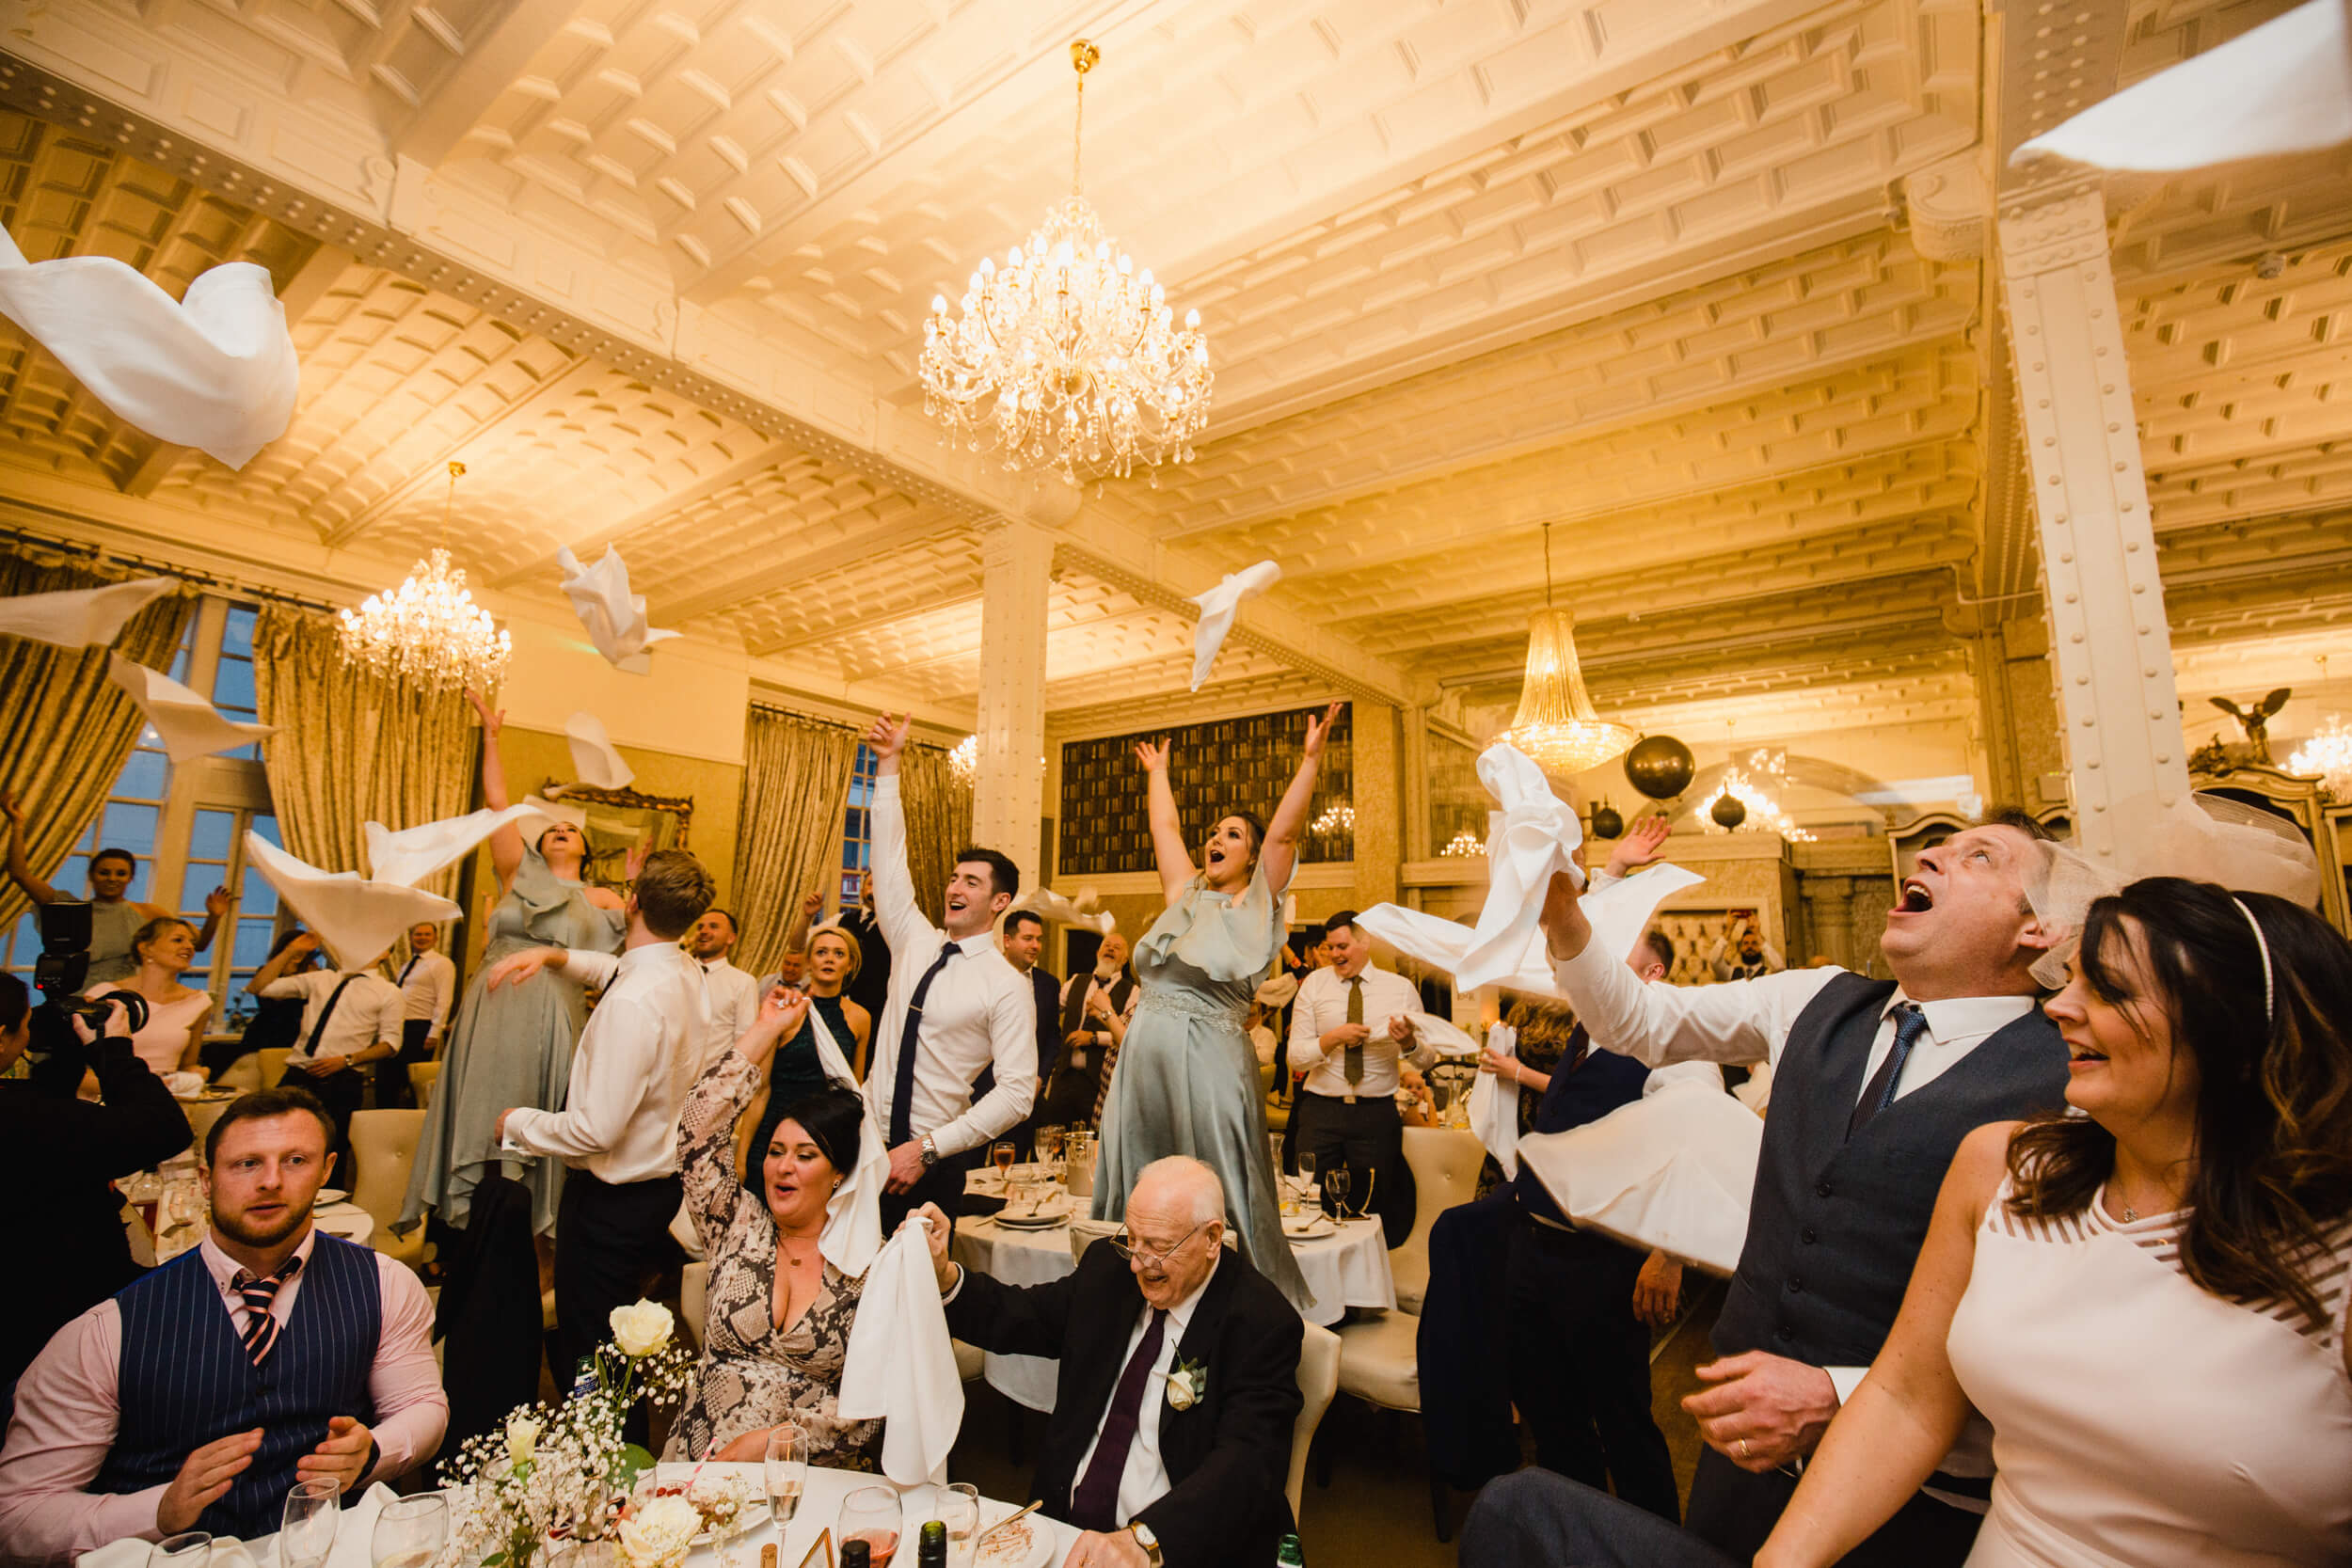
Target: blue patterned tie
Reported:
[(903, 1092), (1910, 1024), (261, 1329)]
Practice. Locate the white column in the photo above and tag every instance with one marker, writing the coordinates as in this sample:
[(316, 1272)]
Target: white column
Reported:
[(1008, 797), (2111, 646)]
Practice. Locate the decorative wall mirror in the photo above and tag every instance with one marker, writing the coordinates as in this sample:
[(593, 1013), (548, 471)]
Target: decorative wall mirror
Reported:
[(618, 822)]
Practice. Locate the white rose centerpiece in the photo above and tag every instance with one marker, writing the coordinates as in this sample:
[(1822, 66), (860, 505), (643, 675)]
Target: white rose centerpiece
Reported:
[(642, 1329), (659, 1534), (522, 1436)]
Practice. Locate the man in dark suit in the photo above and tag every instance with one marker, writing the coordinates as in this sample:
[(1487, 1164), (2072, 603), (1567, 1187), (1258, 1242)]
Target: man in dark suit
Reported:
[(1170, 1440), (1021, 938)]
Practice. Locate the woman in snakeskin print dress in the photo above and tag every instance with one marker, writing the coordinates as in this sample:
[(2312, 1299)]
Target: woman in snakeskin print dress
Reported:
[(777, 1329)]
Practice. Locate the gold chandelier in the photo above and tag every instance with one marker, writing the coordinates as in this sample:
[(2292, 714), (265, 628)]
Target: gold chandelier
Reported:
[(1557, 725), (428, 631), (1067, 357)]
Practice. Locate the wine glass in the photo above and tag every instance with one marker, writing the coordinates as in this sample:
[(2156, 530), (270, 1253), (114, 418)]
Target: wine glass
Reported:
[(307, 1528), (411, 1531), (959, 1509), (787, 1471), (1335, 1184), (871, 1514), (1305, 1172), (190, 1548), (1000, 1155)]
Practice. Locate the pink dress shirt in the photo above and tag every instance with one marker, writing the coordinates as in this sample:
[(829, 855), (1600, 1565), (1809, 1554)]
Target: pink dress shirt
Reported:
[(67, 1410)]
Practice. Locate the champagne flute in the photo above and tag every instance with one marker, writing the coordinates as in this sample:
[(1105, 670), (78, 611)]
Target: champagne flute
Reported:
[(787, 1471), (190, 1548), (960, 1510), (1306, 1173), (410, 1532), (871, 1514), (306, 1530), (1335, 1184)]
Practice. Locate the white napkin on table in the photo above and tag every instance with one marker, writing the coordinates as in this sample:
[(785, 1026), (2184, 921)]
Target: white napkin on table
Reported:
[(357, 920), (594, 759), (613, 616), (1674, 1170), (901, 1365), (410, 856), (2282, 87), (1620, 912), (81, 618), (190, 726), (1494, 1106), (214, 370), (1217, 613)]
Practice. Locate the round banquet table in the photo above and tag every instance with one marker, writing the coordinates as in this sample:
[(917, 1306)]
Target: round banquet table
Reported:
[(1349, 1268)]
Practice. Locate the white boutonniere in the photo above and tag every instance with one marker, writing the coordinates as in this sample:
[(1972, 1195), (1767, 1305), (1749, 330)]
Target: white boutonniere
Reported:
[(1185, 1384)]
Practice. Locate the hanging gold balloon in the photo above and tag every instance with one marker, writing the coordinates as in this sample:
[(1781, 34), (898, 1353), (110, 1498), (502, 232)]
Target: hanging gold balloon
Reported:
[(1659, 767)]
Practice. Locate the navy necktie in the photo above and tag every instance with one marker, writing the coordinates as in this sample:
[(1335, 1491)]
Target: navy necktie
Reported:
[(402, 981), (1095, 1504), (1910, 1024), (903, 1092)]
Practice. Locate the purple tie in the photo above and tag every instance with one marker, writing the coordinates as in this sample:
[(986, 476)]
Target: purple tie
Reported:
[(1095, 1504)]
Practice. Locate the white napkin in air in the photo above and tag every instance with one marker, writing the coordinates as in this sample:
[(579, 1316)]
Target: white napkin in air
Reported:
[(190, 726), (852, 1233), (1674, 1170), (81, 618), (1620, 912), (214, 370), (410, 856), (901, 1365), (594, 759), (1533, 836), (2282, 87), (1494, 1106), (613, 616), (356, 920), (1217, 613), (1086, 910)]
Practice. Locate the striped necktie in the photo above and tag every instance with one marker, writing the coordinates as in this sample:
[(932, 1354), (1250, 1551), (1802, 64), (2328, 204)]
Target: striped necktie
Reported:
[(260, 1328)]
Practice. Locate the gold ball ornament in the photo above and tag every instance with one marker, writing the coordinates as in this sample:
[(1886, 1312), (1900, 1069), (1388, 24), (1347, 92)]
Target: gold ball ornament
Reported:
[(1659, 767)]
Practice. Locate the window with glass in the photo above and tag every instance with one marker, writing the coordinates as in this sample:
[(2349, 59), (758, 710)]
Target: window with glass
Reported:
[(857, 827)]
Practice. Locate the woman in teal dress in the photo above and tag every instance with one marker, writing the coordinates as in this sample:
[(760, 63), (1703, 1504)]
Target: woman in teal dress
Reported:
[(512, 1046), (1186, 1080)]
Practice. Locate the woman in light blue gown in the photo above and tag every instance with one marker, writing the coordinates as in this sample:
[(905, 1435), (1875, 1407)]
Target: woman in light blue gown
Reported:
[(1187, 1079), (512, 1046)]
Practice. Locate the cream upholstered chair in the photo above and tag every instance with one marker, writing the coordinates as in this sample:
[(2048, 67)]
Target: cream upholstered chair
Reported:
[(682, 1231), (422, 1077), (1085, 1231), (274, 1064), (1318, 1380), (244, 1074), (1445, 1161), (383, 1147), (693, 1295)]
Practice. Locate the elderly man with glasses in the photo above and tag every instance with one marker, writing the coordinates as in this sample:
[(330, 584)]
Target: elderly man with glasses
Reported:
[(1170, 1440)]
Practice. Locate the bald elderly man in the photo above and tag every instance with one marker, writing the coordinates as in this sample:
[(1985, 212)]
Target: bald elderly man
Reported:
[(1169, 1441)]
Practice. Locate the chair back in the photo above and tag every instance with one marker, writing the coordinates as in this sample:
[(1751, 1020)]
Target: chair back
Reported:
[(1445, 1161), (422, 1077), (274, 1064), (1084, 1232), (682, 1231), (383, 1147), (693, 1292), (1318, 1380)]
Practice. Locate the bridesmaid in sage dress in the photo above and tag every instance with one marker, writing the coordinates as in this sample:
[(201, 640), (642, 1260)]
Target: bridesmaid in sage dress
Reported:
[(512, 1046), (1186, 1080)]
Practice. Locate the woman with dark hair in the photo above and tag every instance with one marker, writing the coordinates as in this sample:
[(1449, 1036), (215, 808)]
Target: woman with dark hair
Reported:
[(115, 917), (512, 1046), (172, 1040), (2145, 1296), (796, 1071), (776, 1330), (1187, 1079)]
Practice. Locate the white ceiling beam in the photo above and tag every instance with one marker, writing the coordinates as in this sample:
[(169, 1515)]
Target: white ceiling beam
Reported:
[(493, 59), (872, 544), (750, 466), (925, 607)]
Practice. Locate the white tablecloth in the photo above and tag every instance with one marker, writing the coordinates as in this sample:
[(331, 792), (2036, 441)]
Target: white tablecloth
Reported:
[(821, 1509), (344, 1218), (1344, 1270)]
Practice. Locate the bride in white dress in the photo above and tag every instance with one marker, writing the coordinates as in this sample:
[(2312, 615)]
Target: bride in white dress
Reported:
[(2147, 1301)]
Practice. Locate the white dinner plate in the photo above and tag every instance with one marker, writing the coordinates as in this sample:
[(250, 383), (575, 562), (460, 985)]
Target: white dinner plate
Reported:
[(1308, 1228), (1045, 1220), (752, 1514), (332, 1194), (1041, 1554)]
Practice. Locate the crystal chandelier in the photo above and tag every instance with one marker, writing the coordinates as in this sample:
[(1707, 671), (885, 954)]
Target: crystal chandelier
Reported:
[(1556, 724), (1464, 845), (1754, 790), (1338, 818), (428, 631), (964, 761), (1067, 357), (2328, 757)]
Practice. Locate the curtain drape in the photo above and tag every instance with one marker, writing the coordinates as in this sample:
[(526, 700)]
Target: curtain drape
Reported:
[(788, 841), (69, 729), (352, 748), (939, 822)]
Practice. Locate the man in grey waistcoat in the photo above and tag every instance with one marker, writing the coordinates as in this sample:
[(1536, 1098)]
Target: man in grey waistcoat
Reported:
[(1875, 1084)]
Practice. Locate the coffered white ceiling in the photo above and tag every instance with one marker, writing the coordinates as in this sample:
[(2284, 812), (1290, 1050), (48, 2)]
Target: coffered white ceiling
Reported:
[(1697, 283)]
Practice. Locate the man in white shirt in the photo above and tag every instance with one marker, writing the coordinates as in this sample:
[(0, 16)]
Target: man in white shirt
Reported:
[(350, 1018), (1853, 1156), (428, 987), (617, 1133), (734, 995), (955, 1049), (1352, 1030)]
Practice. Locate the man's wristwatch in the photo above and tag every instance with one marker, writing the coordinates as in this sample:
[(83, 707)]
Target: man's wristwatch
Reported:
[(930, 1152), (1144, 1538)]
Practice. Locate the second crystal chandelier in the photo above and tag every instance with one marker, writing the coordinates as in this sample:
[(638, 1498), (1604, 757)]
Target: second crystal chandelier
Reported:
[(1068, 358)]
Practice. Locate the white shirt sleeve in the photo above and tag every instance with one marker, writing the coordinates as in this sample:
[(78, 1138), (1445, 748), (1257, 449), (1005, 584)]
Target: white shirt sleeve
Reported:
[(1013, 1049), (592, 969), (895, 909), (620, 1053), (391, 1017), (444, 992), (1744, 1020), (1306, 1024)]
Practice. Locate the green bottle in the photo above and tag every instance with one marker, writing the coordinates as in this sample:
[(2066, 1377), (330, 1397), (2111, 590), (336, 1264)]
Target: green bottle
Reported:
[(1288, 1554)]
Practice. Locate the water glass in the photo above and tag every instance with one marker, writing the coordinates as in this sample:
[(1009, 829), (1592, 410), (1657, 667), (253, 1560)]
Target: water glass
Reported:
[(871, 1514), (787, 1471), (411, 1531), (959, 1509), (190, 1548), (305, 1531)]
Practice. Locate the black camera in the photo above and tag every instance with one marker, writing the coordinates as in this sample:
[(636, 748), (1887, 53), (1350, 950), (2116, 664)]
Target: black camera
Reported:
[(64, 964)]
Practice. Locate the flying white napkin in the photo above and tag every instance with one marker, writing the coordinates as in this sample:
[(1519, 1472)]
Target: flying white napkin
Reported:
[(190, 726), (81, 618), (2285, 87), (357, 919), (1086, 910), (1217, 613), (901, 1365), (1533, 836), (1620, 912), (614, 617), (1441, 1034), (1674, 1170), (1494, 1107), (214, 370), (594, 759), (852, 1233), (410, 856)]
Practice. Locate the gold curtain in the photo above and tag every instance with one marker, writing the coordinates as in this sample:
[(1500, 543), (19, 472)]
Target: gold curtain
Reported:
[(796, 787), (352, 748), (939, 822), (71, 729)]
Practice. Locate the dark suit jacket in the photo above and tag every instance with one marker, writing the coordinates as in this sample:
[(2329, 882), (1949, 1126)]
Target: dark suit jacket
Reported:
[(1227, 1457)]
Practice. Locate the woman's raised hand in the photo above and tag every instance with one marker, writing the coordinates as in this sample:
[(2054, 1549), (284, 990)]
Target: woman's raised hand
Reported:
[(1153, 757), (782, 1010), (1319, 730), (492, 720)]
